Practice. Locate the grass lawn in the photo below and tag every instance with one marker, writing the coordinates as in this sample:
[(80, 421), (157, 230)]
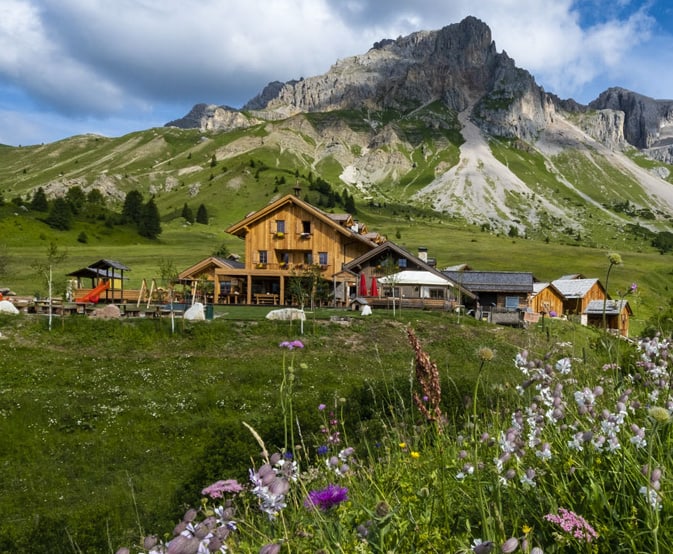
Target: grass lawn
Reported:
[(110, 427)]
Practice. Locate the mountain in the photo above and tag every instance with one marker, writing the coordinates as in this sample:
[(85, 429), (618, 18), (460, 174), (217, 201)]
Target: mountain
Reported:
[(437, 124), (443, 120)]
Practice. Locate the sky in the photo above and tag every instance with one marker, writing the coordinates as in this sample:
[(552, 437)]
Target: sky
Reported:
[(70, 67)]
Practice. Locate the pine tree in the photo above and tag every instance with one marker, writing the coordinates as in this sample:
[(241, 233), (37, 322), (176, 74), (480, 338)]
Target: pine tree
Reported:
[(95, 197), (202, 215), (75, 197), (349, 203), (150, 222), (133, 206), (39, 202), (187, 213), (60, 215)]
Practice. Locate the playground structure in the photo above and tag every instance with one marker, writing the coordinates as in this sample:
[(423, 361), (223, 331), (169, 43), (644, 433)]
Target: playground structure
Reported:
[(106, 282), (107, 287), (94, 294)]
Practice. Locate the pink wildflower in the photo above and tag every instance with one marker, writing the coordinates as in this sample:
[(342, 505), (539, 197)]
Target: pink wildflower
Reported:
[(573, 524), (291, 345), (217, 489)]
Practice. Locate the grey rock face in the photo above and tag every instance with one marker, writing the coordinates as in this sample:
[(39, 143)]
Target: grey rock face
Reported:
[(648, 123)]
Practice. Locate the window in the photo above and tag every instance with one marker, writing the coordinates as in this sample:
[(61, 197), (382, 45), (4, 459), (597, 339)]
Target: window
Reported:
[(305, 227), (308, 258), (280, 226), (322, 258), (437, 293), (263, 257), (402, 262), (511, 302)]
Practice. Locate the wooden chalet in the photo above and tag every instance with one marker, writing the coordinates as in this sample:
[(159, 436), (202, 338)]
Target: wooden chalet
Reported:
[(578, 292), (546, 300), (617, 315), (389, 272), (287, 238)]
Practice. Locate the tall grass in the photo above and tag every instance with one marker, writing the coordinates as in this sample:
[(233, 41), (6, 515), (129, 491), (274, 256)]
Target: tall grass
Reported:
[(568, 456)]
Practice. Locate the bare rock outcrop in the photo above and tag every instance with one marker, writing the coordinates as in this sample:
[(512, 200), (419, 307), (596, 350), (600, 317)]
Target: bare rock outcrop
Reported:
[(648, 123)]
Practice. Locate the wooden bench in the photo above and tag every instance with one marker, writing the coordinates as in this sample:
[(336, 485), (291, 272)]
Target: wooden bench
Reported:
[(267, 299)]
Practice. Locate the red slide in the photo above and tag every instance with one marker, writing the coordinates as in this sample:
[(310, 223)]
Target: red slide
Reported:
[(94, 294)]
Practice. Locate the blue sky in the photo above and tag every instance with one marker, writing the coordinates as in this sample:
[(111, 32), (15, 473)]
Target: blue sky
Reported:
[(70, 67)]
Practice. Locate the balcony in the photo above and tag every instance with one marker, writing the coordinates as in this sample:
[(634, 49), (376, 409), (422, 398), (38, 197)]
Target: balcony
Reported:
[(292, 267)]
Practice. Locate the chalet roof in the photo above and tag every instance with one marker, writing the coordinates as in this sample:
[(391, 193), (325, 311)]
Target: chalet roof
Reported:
[(493, 281), (415, 277), (574, 288), (209, 262), (231, 262), (240, 229), (612, 307), (340, 218), (356, 265), (539, 287)]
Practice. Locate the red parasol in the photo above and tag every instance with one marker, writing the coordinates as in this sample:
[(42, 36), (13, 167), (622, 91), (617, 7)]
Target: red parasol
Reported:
[(374, 290), (363, 285)]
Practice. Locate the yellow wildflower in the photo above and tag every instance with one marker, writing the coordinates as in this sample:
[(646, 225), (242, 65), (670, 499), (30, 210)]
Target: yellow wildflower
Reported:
[(415, 454)]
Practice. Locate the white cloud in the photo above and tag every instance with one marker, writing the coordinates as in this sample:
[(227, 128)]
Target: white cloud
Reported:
[(96, 58)]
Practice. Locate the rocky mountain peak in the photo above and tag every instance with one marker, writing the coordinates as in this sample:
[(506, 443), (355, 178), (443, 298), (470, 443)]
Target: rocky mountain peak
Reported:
[(457, 64)]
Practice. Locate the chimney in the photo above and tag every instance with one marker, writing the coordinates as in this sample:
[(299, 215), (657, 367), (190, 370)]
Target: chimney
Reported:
[(423, 253)]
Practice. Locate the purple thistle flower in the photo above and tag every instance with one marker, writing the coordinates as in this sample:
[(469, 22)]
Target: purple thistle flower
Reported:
[(326, 498)]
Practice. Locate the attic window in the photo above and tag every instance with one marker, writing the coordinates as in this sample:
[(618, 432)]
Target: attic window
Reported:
[(305, 227), (402, 262), (280, 226)]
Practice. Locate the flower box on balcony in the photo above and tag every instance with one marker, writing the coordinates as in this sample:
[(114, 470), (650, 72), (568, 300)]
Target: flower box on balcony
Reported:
[(280, 235), (261, 266)]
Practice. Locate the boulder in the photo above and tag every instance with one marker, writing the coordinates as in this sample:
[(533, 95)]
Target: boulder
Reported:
[(287, 314), (6, 307), (107, 312), (195, 312)]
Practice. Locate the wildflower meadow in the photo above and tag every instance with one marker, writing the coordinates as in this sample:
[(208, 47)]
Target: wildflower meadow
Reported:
[(565, 457)]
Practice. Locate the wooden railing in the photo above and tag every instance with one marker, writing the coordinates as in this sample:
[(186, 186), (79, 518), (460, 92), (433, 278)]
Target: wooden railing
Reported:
[(291, 267)]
